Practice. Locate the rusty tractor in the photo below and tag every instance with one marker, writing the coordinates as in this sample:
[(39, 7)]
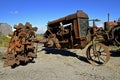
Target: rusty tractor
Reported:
[(21, 48), (112, 31), (73, 32)]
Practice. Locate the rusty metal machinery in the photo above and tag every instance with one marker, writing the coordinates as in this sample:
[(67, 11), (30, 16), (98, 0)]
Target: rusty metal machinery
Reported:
[(21, 48), (73, 31), (99, 53), (112, 30), (69, 32)]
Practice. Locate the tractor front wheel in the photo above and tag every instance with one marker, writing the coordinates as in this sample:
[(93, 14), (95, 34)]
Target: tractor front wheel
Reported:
[(98, 54)]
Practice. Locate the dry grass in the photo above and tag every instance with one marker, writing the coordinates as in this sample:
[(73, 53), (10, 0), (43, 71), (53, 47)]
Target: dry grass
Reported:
[(39, 36), (4, 41)]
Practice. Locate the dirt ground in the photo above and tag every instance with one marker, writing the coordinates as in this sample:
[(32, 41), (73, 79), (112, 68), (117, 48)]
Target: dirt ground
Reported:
[(71, 64)]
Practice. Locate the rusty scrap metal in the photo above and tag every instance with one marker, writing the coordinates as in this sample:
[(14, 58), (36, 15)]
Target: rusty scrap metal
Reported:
[(21, 48)]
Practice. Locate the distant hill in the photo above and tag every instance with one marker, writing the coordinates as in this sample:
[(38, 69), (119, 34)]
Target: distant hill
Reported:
[(5, 28)]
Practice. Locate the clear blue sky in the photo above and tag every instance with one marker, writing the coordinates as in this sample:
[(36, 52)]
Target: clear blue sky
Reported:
[(39, 12)]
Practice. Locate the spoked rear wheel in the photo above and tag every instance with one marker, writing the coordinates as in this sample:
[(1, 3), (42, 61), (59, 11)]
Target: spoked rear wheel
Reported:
[(98, 54)]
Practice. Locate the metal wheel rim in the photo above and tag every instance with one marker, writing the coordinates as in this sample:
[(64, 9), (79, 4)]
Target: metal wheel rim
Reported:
[(100, 56)]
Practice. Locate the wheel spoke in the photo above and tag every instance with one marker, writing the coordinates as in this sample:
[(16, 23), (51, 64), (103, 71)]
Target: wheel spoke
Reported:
[(99, 48), (98, 59), (102, 59), (94, 57), (102, 51)]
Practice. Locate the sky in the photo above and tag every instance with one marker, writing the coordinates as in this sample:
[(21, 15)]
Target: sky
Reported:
[(39, 12)]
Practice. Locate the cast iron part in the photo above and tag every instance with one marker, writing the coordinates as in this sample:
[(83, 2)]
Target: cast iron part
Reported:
[(21, 47)]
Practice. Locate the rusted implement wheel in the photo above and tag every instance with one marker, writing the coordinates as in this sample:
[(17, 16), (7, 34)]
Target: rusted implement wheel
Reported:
[(98, 54)]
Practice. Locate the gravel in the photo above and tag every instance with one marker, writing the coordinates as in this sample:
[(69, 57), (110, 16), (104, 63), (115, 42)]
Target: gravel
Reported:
[(62, 65)]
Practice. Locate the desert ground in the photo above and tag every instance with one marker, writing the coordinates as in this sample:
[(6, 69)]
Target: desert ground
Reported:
[(70, 64)]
